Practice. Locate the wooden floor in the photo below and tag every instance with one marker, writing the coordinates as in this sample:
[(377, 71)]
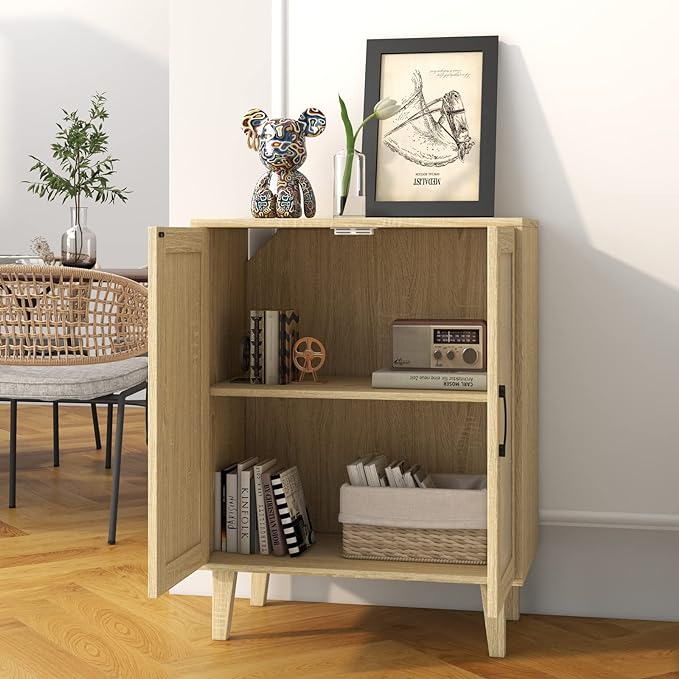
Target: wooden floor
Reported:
[(71, 606)]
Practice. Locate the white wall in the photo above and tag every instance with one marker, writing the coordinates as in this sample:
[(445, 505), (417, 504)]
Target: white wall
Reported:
[(219, 68), (56, 55), (587, 144)]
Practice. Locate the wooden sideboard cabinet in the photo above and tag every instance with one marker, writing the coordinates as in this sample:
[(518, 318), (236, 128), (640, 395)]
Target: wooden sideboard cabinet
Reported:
[(348, 290)]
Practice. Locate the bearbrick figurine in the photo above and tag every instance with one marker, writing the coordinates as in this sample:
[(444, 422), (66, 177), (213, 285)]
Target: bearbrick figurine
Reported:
[(281, 143)]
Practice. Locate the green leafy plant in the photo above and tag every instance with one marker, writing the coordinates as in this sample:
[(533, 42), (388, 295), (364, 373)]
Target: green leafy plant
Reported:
[(384, 108), (85, 166)]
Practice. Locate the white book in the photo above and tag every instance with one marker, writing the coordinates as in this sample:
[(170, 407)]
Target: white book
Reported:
[(263, 533), (356, 471), (408, 476), (271, 347), (244, 507), (390, 474), (352, 474), (397, 470), (374, 470), (232, 504), (386, 378)]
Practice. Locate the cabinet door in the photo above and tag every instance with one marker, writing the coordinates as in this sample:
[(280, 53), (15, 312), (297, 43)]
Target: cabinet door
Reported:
[(179, 478), (500, 268)]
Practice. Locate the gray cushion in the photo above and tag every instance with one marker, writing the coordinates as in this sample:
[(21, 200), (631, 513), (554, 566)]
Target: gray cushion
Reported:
[(82, 382)]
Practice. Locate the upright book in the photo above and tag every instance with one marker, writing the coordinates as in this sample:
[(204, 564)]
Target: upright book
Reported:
[(273, 520), (273, 333), (262, 532), (232, 504), (245, 500), (288, 334), (257, 375), (294, 514)]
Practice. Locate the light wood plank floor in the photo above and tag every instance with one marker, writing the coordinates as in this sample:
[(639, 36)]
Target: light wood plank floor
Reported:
[(72, 606)]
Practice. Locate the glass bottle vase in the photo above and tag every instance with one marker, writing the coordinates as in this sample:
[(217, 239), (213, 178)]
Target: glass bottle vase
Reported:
[(79, 244), (348, 198)]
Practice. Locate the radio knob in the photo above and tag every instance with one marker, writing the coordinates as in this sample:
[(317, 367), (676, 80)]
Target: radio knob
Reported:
[(450, 355), (438, 355), (470, 355)]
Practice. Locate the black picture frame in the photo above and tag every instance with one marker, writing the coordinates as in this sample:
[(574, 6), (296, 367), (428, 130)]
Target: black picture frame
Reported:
[(485, 205)]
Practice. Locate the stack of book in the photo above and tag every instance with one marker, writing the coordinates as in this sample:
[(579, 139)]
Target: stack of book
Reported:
[(373, 470), (260, 509), (273, 333), (397, 378)]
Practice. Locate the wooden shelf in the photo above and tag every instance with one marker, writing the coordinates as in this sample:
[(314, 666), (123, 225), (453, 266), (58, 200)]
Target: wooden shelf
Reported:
[(348, 388), (325, 558), (368, 222)]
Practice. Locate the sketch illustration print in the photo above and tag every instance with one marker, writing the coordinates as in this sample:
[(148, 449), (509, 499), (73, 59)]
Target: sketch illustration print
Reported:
[(431, 133)]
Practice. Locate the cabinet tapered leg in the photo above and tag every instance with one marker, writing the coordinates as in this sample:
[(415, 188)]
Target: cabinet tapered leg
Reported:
[(512, 604), (496, 628), (259, 584), (223, 590)]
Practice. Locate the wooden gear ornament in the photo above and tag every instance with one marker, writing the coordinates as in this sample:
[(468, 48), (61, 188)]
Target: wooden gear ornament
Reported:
[(308, 355)]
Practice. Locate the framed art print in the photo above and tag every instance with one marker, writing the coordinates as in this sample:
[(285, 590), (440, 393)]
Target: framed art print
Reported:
[(436, 156)]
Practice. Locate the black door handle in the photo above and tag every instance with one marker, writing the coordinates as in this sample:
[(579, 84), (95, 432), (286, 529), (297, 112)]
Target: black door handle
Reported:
[(503, 445)]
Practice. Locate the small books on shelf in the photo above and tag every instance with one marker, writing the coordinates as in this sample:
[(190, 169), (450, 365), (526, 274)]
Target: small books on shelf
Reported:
[(373, 470), (386, 378), (272, 336), (260, 509)]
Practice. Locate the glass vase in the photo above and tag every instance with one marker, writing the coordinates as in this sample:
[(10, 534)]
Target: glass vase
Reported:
[(348, 199), (79, 244)]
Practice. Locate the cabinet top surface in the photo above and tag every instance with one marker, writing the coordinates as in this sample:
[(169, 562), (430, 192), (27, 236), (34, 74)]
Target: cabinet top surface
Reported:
[(369, 222)]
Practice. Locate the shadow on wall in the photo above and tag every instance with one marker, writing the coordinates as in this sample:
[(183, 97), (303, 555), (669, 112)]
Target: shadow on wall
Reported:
[(58, 63), (607, 333), (607, 390)]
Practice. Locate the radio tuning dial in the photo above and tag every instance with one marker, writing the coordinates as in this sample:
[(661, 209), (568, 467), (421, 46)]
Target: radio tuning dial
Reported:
[(470, 355), (450, 355), (438, 355)]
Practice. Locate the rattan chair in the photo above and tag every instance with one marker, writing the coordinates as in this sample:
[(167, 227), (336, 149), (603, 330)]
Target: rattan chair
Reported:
[(72, 336)]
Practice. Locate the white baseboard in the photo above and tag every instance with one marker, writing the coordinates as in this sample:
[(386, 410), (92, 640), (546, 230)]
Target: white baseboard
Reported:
[(587, 519), (605, 573)]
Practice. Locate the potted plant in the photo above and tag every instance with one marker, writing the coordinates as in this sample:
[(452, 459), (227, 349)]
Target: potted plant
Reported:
[(86, 168)]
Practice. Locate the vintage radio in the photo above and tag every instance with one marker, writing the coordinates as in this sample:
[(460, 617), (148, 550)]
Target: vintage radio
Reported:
[(447, 345)]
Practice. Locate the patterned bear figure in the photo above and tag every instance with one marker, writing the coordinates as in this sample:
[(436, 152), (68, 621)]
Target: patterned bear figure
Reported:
[(281, 143)]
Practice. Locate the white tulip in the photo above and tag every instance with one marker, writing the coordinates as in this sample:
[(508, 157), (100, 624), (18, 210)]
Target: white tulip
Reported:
[(385, 108)]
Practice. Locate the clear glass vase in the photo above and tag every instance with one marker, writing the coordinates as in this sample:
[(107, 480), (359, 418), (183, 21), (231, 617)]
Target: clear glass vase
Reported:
[(79, 244), (348, 199)]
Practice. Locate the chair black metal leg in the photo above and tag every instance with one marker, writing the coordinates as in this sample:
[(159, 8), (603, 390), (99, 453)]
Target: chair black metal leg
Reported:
[(109, 433), (95, 424), (113, 514), (55, 432), (12, 453)]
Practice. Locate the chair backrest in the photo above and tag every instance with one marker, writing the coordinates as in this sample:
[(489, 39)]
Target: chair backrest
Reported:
[(53, 315)]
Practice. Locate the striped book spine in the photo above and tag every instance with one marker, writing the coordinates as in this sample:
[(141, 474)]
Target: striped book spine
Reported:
[(284, 514)]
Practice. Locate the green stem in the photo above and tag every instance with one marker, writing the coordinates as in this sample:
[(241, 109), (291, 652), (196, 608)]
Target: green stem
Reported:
[(358, 129), (346, 177)]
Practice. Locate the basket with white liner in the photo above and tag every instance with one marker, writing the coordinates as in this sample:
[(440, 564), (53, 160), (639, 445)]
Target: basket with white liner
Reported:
[(445, 524)]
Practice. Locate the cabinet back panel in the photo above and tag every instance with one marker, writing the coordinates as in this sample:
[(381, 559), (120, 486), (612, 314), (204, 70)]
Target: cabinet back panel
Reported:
[(349, 289), (321, 437)]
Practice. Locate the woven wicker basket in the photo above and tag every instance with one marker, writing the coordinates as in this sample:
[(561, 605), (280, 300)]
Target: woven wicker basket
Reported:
[(446, 524), (414, 544)]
